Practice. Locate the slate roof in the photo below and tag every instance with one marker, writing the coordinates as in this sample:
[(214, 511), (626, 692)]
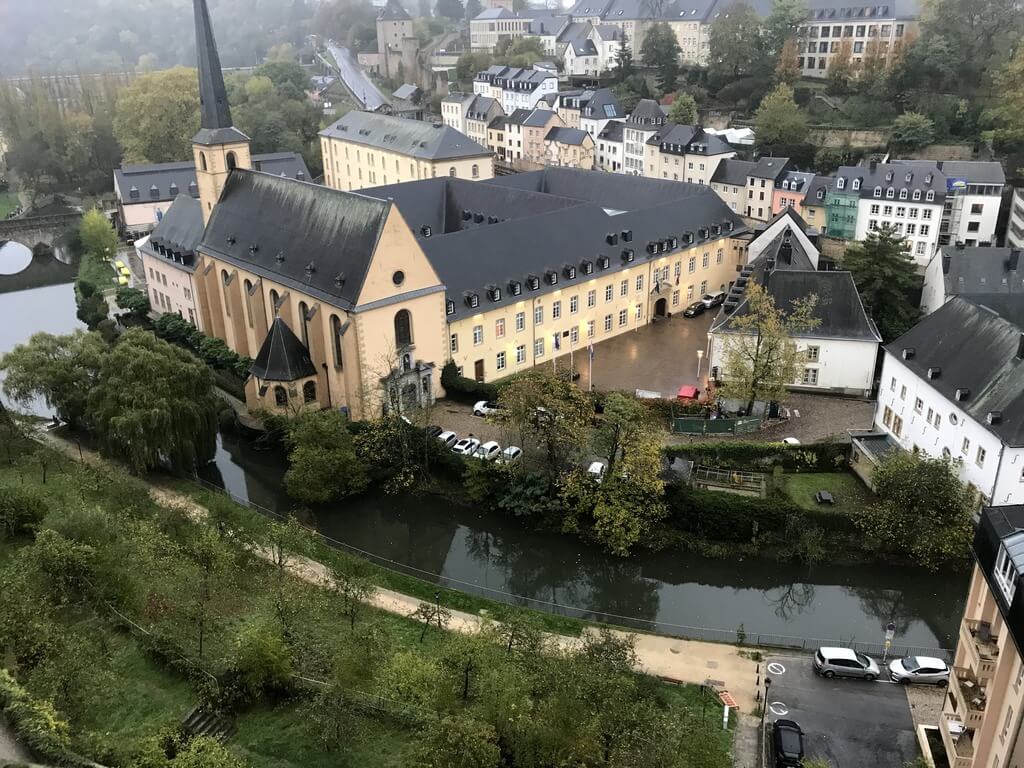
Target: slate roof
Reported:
[(408, 137), (393, 11), (982, 271), (575, 34), (608, 31), (563, 135), (495, 13), (283, 357), (293, 226), (975, 349), (647, 112), (794, 181), (825, 184), (733, 171), (533, 118), (974, 171), (689, 139), (480, 106), (539, 222), (215, 122), (769, 168), (172, 179), (612, 131), (602, 105), (405, 91), (179, 231), (894, 176), (845, 10)]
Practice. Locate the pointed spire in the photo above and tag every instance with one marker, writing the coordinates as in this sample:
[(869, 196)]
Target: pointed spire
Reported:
[(213, 96)]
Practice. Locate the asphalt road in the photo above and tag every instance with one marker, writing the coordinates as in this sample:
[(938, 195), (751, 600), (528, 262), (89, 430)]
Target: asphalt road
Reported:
[(355, 78), (849, 723)]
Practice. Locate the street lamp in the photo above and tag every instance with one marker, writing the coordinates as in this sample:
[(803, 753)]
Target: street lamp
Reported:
[(767, 685), (700, 356)]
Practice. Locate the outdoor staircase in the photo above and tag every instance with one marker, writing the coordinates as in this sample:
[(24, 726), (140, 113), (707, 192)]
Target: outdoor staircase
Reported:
[(203, 722)]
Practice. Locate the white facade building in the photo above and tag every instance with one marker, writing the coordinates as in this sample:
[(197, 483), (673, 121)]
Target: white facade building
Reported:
[(609, 150), (974, 272), (1015, 226), (643, 122)]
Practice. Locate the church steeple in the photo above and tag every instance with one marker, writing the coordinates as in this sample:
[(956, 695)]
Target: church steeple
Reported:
[(219, 147)]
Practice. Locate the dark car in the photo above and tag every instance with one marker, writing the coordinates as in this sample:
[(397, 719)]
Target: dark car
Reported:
[(433, 430), (697, 308), (788, 744)]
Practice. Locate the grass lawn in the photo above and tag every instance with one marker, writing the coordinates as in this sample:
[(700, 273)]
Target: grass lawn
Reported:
[(96, 271), (849, 492), (8, 202)]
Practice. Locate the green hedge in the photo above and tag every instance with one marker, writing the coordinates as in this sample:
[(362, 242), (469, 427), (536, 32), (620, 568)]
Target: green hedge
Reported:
[(37, 725), (232, 367), (743, 454), (726, 516), (465, 390)]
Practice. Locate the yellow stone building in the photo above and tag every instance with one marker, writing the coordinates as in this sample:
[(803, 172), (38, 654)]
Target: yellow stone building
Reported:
[(366, 149)]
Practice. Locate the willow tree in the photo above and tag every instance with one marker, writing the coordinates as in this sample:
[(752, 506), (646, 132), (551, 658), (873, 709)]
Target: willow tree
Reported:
[(154, 404), (761, 358)]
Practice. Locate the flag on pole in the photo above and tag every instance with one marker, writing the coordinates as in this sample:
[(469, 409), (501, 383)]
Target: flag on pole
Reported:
[(557, 340), (590, 351)]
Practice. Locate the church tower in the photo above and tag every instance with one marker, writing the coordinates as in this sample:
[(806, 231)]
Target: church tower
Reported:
[(219, 146)]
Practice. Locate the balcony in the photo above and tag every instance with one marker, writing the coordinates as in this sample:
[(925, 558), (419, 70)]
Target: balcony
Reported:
[(968, 697), (981, 649), (958, 743)]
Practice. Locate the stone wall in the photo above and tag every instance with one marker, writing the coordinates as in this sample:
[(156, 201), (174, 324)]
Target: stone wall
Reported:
[(827, 136)]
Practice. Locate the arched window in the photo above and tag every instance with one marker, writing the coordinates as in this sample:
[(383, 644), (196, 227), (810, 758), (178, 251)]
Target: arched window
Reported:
[(202, 160), (273, 303), (451, 171), (403, 328), (280, 396), (227, 302), (232, 161), (309, 392), (303, 312), (248, 301), (476, 171), (336, 340)]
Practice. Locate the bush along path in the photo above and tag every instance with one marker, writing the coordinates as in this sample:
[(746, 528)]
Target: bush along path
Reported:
[(672, 659)]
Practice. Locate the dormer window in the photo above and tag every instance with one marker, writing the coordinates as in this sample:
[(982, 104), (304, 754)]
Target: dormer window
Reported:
[(930, 195), (877, 192), (928, 179), (889, 176), (1008, 565), (627, 235), (917, 194), (472, 300), (602, 262), (688, 238), (533, 282), (841, 183), (903, 194), (551, 277), (494, 293), (673, 241), (820, 194), (908, 178), (612, 239), (890, 193), (569, 272), (627, 255), (588, 267), (449, 307), (515, 287), (856, 183)]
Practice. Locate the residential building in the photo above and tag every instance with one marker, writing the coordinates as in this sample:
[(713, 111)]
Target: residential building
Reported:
[(407, 102), (762, 182), (859, 31), (397, 44), (974, 273), (842, 203), (454, 108), (569, 147), (646, 119), (363, 149), (901, 196), (974, 193), (790, 191), (609, 147), (952, 387), (495, 25), (515, 88), (814, 209), (524, 135), (1015, 225), (729, 182), (587, 50), (684, 153), (168, 256), (840, 352), (598, 110), (145, 192), (981, 724)]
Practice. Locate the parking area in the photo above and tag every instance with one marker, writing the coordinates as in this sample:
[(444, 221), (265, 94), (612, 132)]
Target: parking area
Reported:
[(849, 723)]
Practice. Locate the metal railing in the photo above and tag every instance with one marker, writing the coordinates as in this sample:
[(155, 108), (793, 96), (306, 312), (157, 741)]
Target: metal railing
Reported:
[(737, 636)]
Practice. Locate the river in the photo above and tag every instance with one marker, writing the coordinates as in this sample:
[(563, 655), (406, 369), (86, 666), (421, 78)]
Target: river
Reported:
[(488, 554)]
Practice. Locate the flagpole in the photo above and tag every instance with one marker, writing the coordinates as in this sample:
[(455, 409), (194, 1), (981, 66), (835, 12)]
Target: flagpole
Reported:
[(590, 375)]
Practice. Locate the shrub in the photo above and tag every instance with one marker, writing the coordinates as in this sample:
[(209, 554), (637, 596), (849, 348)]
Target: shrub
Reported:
[(726, 516), (37, 724), (262, 665), (743, 454), (21, 510), (465, 390)]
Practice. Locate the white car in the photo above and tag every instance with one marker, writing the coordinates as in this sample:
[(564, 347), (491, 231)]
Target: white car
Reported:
[(485, 408), (466, 446), (919, 669), (448, 438), (489, 451), (510, 455), (790, 441), (597, 469)]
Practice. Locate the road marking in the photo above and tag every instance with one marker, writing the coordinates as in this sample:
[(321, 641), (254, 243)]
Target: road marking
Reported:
[(775, 668), (778, 708), (796, 413)]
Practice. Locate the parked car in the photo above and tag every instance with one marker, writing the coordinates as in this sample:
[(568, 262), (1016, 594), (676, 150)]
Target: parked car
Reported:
[(844, 662), (489, 451), (485, 408), (713, 299), (597, 470), (466, 446), (787, 744), (919, 669), (697, 308), (448, 438), (510, 455), (790, 441), (433, 431)]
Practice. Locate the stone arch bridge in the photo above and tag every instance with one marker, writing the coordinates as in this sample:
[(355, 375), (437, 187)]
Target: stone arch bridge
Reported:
[(35, 230)]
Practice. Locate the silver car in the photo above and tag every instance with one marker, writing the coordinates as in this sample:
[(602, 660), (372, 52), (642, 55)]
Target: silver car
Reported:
[(919, 669), (844, 662)]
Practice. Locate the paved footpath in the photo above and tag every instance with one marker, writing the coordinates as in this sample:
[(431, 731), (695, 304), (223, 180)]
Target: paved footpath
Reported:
[(678, 660)]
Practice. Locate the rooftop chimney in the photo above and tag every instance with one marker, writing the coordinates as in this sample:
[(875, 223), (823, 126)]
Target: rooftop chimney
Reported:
[(947, 261), (961, 394), (1020, 347), (908, 353), (786, 253), (994, 417), (934, 372)]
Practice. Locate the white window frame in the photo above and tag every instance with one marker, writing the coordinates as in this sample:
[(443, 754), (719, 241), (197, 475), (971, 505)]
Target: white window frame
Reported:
[(1005, 574)]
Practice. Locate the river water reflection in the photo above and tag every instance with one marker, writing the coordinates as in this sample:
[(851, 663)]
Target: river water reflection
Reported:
[(491, 555)]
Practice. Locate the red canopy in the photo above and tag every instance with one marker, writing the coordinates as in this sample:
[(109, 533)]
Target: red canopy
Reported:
[(688, 392)]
